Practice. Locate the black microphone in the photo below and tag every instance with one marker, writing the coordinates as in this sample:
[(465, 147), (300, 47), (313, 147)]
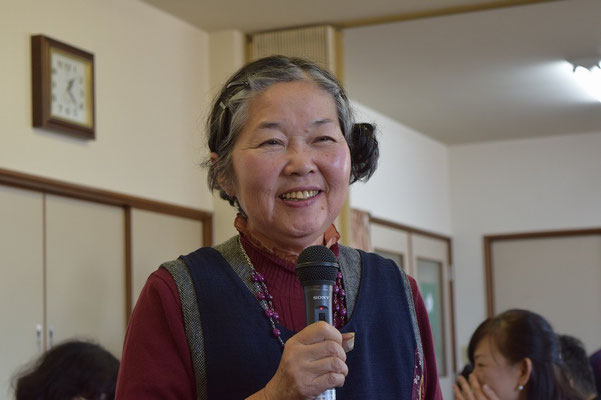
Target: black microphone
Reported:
[(316, 269)]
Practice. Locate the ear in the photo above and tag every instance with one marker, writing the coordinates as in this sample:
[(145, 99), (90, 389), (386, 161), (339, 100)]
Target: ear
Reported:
[(224, 183), (525, 370)]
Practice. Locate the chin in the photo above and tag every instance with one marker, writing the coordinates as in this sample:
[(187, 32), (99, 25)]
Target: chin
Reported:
[(307, 231)]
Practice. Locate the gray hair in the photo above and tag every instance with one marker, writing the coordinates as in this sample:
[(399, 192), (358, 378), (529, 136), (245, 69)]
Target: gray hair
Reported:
[(230, 112)]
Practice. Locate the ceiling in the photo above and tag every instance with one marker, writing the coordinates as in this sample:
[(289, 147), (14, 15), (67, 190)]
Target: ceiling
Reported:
[(493, 73)]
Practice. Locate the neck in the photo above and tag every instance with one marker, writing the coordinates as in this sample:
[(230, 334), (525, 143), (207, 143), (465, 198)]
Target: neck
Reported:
[(288, 249), (289, 245)]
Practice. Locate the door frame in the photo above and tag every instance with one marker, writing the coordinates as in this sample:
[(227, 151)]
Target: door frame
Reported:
[(451, 286)]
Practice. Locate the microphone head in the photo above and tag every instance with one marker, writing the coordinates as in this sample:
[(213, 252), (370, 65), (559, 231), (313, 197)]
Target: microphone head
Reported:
[(316, 265)]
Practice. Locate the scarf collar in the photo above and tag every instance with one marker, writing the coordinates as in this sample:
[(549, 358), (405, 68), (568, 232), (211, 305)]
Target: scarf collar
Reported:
[(268, 246)]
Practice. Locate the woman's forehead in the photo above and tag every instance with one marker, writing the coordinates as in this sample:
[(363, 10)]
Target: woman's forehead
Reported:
[(487, 347), (285, 98)]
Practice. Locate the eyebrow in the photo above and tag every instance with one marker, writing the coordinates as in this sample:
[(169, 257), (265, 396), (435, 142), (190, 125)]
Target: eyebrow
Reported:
[(269, 125), (322, 121), (276, 125)]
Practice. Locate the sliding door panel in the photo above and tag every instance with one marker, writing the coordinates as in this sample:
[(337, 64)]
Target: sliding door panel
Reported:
[(558, 277), (85, 272), (157, 238), (21, 286)]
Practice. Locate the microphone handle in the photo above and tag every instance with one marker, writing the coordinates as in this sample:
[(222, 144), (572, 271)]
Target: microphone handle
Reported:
[(318, 307), (318, 303)]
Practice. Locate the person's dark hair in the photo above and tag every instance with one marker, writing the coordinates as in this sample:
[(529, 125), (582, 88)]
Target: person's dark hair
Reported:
[(69, 370), (520, 334), (229, 114), (595, 361), (577, 365)]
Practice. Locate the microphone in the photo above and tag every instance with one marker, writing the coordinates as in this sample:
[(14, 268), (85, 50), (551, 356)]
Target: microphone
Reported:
[(316, 269)]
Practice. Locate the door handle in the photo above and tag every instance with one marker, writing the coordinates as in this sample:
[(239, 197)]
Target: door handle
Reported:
[(50, 337), (38, 337)]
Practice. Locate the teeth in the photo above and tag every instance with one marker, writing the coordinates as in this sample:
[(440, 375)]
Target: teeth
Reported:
[(300, 195)]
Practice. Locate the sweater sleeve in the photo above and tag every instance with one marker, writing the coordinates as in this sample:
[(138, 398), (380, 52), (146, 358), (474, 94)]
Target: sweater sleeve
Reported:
[(156, 362), (431, 385)]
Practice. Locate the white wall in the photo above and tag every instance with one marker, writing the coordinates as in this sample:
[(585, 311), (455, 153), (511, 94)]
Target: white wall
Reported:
[(411, 184), (516, 186), (152, 80)]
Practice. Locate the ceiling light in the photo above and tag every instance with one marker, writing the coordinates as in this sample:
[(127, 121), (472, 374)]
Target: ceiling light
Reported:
[(587, 72)]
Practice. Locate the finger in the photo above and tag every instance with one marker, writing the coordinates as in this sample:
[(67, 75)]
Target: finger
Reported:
[(348, 341), (490, 394), (465, 388), (327, 381), (318, 332), (328, 365), (475, 385), (457, 391), (327, 348)]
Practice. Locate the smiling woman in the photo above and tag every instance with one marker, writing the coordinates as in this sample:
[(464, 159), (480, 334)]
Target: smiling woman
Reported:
[(229, 321), (516, 355)]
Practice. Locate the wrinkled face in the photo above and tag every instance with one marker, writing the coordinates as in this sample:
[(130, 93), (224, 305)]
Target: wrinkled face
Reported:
[(492, 368), (291, 164)]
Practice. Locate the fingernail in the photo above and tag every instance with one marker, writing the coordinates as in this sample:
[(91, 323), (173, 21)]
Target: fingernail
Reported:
[(348, 341), (485, 387)]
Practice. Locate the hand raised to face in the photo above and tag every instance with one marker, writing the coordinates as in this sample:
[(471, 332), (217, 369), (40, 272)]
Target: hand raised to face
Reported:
[(473, 390)]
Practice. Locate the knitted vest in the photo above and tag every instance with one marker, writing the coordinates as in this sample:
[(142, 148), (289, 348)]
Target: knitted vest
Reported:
[(235, 355)]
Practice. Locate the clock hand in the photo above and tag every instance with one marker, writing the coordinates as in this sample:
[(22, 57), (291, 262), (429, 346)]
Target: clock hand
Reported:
[(69, 87)]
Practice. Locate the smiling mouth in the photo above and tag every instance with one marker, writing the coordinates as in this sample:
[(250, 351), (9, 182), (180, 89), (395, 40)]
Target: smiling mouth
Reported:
[(300, 195)]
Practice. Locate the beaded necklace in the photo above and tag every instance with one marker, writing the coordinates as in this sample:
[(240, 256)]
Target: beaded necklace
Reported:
[(265, 299)]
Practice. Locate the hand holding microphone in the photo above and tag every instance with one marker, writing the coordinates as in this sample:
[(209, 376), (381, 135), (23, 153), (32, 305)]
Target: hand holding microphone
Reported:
[(313, 362), (316, 269)]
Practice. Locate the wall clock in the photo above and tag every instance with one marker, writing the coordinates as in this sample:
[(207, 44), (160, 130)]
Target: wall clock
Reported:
[(62, 87)]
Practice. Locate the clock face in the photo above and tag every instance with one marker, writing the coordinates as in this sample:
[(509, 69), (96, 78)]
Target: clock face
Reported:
[(70, 88)]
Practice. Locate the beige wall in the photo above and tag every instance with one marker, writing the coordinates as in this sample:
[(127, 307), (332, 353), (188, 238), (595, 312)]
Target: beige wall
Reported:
[(226, 54), (526, 185), (152, 81)]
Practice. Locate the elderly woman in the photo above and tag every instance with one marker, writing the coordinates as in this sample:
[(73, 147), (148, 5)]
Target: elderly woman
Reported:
[(229, 322)]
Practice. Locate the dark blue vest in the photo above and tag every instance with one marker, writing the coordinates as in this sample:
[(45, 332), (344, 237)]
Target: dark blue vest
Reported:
[(241, 355)]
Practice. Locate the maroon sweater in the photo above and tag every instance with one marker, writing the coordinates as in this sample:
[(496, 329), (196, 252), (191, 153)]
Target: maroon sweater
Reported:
[(156, 361)]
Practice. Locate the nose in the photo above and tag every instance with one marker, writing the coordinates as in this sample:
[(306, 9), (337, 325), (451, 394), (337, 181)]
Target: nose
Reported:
[(300, 160)]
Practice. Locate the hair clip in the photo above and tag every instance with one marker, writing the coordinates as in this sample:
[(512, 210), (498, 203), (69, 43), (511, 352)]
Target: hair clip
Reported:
[(222, 105)]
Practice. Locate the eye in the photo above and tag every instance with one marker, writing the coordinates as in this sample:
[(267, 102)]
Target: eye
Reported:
[(325, 139), (271, 142)]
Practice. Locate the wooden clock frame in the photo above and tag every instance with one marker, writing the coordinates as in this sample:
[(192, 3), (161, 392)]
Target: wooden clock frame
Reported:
[(41, 88)]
